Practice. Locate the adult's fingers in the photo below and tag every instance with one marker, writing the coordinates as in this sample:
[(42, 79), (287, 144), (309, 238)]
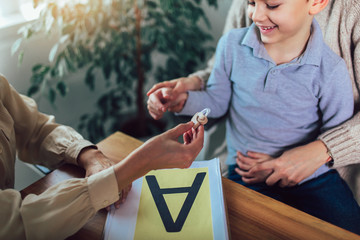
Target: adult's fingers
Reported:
[(179, 130), (178, 103), (193, 148), (187, 137), (259, 156), (179, 88), (167, 84), (273, 179)]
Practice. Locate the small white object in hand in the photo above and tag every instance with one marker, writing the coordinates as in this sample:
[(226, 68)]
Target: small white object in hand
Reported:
[(200, 118)]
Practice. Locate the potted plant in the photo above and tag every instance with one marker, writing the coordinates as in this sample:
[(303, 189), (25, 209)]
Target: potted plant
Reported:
[(125, 40)]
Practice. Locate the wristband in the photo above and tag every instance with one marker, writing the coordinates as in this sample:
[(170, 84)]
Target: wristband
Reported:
[(330, 161)]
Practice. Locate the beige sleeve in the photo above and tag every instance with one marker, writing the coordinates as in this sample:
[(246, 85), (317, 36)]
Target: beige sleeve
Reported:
[(58, 212), (344, 140), (62, 144), (39, 139)]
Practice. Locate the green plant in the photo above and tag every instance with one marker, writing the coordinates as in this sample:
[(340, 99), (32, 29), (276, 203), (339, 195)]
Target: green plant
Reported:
[(120, 37)]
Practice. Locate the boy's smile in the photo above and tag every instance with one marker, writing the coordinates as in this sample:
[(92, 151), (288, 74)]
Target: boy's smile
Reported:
[(284, 25), (266, 29)]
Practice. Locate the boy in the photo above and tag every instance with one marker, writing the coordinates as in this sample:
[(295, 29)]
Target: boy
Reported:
[(282, 86)]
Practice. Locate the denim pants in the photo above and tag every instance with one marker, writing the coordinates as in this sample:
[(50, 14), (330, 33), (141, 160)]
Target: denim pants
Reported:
[(327, 197)]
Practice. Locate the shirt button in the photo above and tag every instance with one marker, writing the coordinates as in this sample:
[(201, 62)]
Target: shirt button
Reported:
[(274, 72), (106, 203)]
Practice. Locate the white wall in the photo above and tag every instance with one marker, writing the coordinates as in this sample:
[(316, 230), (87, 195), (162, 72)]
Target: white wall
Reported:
[(217, 18), (80, 99)]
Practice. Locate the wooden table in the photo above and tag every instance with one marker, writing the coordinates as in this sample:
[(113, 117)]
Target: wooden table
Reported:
[(251, 215)]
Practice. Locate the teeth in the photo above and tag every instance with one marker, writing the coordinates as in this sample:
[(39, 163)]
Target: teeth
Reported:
[(267, 28)]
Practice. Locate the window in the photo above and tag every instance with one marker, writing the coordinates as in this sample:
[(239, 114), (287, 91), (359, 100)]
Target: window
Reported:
[(16, 11)]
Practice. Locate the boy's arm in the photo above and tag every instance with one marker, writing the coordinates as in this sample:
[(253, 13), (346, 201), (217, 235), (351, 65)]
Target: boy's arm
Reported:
[(218, 91)]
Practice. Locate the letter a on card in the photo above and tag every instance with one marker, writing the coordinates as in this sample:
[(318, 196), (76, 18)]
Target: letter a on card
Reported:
[(175, 204)]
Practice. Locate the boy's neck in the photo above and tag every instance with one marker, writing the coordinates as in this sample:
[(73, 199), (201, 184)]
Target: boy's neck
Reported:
[(286, 51)]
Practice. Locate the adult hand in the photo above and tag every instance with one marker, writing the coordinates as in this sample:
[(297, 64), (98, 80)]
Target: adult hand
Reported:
[(93, 161), (162, 151), (179, 85), (165, 151), (294, 165)]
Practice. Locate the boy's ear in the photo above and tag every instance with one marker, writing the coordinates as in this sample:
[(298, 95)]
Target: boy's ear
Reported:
[(317, 6)]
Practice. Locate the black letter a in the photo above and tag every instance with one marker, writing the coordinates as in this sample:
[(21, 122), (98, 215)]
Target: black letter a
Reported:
[(162, 207)]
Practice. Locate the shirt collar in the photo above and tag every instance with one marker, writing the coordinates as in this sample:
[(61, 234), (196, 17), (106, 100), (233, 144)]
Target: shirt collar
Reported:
[(252, 39), (312, 54)]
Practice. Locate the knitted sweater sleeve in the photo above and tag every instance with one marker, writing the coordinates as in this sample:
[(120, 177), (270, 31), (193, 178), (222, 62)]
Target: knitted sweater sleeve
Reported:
[(343, 141)]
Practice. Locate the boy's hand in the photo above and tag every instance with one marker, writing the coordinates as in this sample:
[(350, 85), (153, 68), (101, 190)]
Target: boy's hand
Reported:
[(246, 166), (292, 167), (171, 95), (163, 100), (158, 102)]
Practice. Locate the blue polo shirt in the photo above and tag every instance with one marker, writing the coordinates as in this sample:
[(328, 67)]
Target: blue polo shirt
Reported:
[(272, 107)]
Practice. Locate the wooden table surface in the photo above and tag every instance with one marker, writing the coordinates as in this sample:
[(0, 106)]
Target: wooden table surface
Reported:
[(251, 215)]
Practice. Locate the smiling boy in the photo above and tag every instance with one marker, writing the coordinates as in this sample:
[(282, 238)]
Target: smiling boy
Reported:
[(282, 86), (284, 26)]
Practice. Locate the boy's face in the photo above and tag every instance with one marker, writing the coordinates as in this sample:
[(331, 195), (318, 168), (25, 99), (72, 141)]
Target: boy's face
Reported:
[(281, 21)]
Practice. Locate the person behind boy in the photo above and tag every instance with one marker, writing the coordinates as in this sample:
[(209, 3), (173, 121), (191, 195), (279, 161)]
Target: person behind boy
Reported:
[(282, 86)]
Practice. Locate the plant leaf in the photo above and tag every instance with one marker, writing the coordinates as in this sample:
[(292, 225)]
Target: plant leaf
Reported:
[(20, 58), (36, 68), (52, 95), (32, 90), (53, 51), (64, 38), (63, 89), (16, 46)]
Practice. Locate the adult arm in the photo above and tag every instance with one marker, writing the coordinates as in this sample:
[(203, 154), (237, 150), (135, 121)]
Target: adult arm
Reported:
[(64, 208), (39, 140), (162, 151), (37, 137), (343, 141)]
